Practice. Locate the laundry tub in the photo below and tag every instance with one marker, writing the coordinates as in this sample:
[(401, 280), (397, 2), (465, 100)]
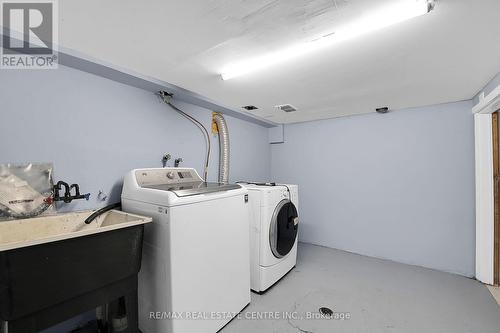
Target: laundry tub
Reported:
[(56, 267)]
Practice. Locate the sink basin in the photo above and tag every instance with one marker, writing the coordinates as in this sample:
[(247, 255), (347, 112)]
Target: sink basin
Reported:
[(21, 233), (55, 267)]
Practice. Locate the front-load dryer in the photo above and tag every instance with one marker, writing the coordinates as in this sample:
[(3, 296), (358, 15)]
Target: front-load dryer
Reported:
[(274, 223)]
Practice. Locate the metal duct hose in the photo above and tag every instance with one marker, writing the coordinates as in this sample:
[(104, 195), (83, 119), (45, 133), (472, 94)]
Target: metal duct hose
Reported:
[(223, 148)]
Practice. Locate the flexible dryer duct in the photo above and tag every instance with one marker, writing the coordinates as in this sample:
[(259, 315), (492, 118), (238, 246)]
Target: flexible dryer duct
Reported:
[(223, 148)]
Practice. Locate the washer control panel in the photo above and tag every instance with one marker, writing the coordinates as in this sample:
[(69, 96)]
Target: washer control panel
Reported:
[(147, 177)]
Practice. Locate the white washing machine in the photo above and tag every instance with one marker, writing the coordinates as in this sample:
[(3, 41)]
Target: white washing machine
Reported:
[(274, 226), (195, 272)]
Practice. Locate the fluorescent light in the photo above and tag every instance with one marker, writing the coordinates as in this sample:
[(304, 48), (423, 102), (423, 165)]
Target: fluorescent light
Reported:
[(374, 21)]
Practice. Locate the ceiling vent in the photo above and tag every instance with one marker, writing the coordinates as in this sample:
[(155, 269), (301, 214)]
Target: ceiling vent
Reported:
[(250, 107), (382, 110), (287, 108)]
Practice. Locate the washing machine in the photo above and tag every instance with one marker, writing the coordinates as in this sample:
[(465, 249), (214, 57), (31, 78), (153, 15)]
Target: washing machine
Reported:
[(195, 274), (274, 223)]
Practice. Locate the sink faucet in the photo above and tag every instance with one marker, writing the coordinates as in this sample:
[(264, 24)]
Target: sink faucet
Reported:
[(58, 187), (177, 162), (67, 198), (165, 159)]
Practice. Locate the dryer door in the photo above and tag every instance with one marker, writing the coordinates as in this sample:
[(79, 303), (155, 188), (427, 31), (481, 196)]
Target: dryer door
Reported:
[(283, 229)]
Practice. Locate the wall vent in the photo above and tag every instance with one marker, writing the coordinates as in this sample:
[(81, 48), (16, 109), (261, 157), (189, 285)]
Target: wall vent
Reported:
[(287, 108)]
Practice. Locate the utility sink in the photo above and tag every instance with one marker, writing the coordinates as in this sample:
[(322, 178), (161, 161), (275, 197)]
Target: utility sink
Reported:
[(21, 233), (55, 267)]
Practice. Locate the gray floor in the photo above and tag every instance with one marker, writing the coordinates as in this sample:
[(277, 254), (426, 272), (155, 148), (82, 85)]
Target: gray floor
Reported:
[(379, 296)]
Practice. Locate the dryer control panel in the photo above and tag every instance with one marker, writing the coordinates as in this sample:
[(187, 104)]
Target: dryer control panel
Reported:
[(162, 176)]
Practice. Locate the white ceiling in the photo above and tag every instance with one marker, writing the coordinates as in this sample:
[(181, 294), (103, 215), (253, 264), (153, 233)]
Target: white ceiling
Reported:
[(447, 55)]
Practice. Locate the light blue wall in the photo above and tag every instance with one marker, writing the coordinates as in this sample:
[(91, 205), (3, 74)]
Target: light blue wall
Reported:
[(398, 186), (95, 130)]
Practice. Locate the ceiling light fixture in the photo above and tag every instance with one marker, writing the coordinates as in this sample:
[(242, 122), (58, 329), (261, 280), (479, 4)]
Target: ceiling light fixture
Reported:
[(374, 21)]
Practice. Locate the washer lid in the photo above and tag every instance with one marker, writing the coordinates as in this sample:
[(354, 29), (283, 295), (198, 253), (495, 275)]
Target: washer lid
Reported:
[(193, 188)]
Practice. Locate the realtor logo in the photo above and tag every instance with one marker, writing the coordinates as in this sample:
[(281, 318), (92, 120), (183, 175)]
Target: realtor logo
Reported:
[(29, 36)]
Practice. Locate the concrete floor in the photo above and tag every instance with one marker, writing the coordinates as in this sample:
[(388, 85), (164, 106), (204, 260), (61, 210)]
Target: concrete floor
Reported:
[(378, 295)]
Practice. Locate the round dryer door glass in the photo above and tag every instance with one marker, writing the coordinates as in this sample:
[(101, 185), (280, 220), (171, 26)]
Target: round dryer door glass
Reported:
[(283, 229)]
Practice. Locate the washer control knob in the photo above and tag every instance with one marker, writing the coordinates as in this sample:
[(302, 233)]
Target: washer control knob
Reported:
[(170, 175)]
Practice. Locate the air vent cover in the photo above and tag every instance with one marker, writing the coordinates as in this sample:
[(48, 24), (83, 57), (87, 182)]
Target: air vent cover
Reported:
[(287, 108)]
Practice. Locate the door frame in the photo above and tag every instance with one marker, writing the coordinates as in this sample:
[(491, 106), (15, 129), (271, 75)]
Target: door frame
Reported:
[(496, 198), (487, 146)]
